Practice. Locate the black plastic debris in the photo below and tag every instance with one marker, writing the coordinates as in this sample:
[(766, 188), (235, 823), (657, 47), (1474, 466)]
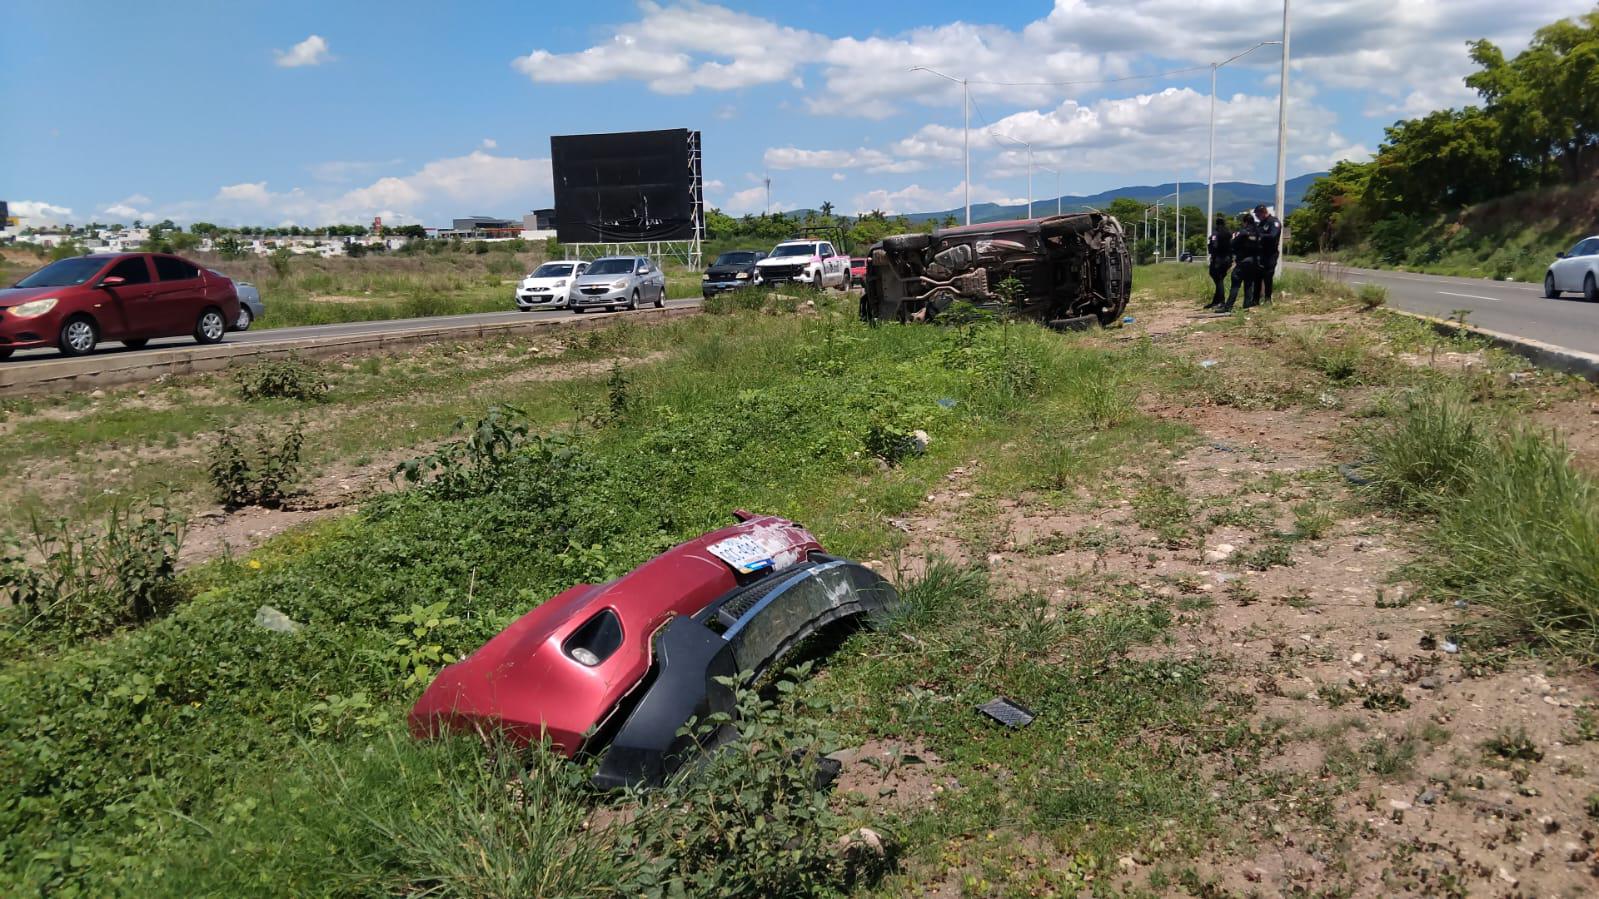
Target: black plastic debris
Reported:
[(1006, 712)]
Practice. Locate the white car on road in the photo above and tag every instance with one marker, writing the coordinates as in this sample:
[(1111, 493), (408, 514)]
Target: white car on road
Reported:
[(1576, 270), (550, 285)]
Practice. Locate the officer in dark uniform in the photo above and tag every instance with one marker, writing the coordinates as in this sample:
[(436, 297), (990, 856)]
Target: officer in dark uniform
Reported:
[(1271, 238), (1246, 263), (1221, 259)]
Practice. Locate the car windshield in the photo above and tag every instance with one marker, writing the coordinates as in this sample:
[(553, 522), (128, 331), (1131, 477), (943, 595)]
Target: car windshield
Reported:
[(64, 273), (735, 259), (795, 249), (612, 267), (552, 270)]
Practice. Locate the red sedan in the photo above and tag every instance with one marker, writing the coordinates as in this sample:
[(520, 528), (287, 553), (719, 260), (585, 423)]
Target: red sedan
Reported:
[(73, 304)]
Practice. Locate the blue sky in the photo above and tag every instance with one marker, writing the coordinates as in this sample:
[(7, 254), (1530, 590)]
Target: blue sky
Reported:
[(298, 112)]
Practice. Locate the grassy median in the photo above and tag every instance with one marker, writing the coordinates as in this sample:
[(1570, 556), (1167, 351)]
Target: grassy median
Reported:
[(198, 753)]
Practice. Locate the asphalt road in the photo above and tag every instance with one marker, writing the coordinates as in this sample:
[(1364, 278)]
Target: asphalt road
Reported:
[(309, 332), (1508, 307)]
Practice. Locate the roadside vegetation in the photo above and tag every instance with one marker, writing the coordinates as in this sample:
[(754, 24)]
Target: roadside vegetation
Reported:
[(1056, 538), (1490, 191)]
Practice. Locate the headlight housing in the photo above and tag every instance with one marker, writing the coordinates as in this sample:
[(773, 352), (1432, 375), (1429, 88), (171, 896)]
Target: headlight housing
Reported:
[(559, 284), (705, 277), (619, 283), (34, 308), (742, 275)]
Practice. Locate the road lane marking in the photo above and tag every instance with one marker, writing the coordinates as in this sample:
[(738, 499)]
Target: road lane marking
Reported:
[(1470, 296)]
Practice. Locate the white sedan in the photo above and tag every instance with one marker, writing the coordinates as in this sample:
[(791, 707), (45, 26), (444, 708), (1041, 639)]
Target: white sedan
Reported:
[(549, 286), (1576, 270)]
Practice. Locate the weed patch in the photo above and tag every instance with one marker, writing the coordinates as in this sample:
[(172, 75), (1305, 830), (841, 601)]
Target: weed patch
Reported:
[(255, 468)]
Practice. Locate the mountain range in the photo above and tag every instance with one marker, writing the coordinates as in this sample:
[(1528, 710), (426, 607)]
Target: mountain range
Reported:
[(1231, 197)]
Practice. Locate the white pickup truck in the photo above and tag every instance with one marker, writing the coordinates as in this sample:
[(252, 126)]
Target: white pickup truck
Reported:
[(812, 262)]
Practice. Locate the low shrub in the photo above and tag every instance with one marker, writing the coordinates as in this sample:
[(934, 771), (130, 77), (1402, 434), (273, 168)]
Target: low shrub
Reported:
[(82, 585), (291, 378), (1371, 295), (255, 468), (1516, 526)]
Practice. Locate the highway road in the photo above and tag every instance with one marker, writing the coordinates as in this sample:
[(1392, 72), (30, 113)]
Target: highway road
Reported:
[(1509, 307), (310, 332)]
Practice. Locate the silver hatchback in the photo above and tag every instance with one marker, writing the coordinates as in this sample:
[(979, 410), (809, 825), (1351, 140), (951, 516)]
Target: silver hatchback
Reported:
[(619, 282)]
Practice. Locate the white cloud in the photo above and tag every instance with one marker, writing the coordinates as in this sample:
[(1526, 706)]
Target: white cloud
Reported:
[(871, 160), (748, 201), (681, 48), (313, 51), (35, 213), (348, 170), (478, 182), (916, 198), (127, 209), (839, 176), (489, 143)]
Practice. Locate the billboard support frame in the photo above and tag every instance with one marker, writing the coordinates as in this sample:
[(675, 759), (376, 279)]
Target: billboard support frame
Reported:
[(689, 252)]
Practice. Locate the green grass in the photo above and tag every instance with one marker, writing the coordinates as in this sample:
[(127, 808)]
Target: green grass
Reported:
[(127, 756), (1513, 525)]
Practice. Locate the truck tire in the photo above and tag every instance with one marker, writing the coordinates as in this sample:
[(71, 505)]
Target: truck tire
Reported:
[(908, 242)]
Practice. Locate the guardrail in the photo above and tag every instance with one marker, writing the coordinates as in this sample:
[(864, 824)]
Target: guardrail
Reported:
[(60, 375)]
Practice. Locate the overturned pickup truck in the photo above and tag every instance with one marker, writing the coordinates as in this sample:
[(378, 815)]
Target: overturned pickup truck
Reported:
[(1070, 271)]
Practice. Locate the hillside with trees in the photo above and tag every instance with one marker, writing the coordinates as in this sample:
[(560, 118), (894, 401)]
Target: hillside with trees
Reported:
[(1491, 190)]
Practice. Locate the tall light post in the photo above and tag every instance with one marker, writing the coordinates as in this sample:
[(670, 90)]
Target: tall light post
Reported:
[(1282, 143), (1210, 191), (1021, 143), (1160, 227), (966, 131)]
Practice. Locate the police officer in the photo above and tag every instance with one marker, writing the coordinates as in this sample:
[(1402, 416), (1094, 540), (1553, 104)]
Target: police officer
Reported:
[(1221, 259), (1271, 238), (1246, 263)]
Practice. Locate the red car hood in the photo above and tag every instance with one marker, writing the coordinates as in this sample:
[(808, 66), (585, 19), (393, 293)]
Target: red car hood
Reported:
[(12, 296)]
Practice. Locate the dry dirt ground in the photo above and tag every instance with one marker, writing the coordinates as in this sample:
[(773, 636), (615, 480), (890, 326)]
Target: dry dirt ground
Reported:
[(1401, 764)]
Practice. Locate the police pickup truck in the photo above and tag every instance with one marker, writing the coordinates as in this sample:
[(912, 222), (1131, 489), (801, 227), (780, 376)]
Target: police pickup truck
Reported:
[(813, 262)]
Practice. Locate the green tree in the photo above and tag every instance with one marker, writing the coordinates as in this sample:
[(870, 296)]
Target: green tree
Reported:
[(1547, 97), (181, 242), (229, 247)]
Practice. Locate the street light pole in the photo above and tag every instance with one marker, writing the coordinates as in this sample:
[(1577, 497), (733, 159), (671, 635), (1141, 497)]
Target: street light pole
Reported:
[(966, 130), (1282, 143), (1210, 190)]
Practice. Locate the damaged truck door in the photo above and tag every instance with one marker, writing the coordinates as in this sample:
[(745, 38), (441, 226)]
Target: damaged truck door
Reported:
[(1065, 271)]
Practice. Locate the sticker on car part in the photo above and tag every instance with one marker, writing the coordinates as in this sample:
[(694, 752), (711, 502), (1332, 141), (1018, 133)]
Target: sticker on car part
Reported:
[(744, 553)]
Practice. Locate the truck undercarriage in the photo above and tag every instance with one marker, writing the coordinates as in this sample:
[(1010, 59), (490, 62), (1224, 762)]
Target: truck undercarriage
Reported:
[(1065, 271)]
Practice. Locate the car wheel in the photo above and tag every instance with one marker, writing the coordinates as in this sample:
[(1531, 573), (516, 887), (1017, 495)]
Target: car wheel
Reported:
[(246, 319), (138, 343), (1549, 287), (5, 353), (210, 327), (660, 298), (1590, 291), (632, 301), (78, 336)]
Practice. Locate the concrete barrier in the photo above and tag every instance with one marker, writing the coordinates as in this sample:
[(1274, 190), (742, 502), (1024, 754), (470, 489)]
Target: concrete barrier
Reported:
[(1543, 355), (89, 372)]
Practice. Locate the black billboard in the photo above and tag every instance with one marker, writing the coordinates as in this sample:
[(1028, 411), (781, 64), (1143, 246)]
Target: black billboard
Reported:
[(632, 186)]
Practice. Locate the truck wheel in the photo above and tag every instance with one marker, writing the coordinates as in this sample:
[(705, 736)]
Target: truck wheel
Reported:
[(816, 283), (843, 283)]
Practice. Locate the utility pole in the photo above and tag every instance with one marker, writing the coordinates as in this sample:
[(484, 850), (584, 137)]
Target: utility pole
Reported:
[(1210, 190), (1178, 204), (1282, 144), (966, 130), (1057, 186), (1029, 147), (767, 178)]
